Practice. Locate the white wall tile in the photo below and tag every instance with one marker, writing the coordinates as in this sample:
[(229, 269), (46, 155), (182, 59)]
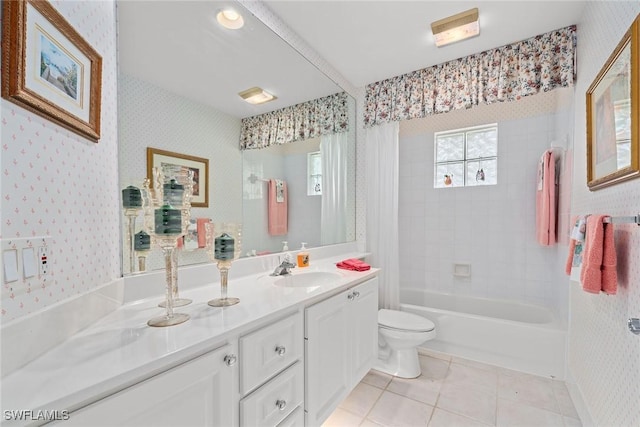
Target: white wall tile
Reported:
[(491, 227)]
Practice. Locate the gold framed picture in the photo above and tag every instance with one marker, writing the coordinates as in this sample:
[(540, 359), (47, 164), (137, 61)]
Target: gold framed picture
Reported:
[(613, 122), (199, 166), (48, 68)]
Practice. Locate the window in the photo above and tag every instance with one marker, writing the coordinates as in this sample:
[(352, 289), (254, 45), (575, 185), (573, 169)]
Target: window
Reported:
[(466, 157), (314, 174)]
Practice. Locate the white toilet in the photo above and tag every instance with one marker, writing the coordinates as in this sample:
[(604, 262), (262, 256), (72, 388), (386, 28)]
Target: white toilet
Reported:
[(399, 335)]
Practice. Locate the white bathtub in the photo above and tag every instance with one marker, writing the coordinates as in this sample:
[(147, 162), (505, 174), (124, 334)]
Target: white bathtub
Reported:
[(517, 336)]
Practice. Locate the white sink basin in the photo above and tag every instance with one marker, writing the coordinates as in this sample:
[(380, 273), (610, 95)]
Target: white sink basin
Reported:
[(302, 280)]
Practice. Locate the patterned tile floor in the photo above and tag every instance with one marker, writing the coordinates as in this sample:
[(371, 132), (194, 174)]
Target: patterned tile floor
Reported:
[(455, 392)]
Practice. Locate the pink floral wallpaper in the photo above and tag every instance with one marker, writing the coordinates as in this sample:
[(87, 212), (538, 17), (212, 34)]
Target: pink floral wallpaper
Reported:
[(58, 184)]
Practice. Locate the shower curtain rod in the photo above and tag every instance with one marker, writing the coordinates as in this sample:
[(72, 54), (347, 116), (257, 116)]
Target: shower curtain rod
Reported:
[(622, 220)]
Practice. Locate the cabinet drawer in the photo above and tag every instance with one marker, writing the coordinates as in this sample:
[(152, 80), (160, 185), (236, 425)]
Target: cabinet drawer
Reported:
[(274, 401), (296, 419), (269, 350)]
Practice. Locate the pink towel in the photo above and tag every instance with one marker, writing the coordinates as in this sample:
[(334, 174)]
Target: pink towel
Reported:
[(546, 200), (599, 259), (569, 264), (277, 209), (353, 264), (202, 232)]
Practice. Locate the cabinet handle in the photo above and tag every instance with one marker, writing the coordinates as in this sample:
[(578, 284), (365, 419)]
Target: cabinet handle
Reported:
[(281, 350), (281, 404), (350, 297), (230, 359), (356, 294)]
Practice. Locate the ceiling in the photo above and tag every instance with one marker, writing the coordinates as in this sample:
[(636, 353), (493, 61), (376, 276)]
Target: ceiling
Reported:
[(177, 45), (368, 41)]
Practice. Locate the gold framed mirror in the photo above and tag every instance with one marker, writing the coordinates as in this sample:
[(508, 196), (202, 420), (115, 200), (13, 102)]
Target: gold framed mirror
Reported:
[(613, 115)]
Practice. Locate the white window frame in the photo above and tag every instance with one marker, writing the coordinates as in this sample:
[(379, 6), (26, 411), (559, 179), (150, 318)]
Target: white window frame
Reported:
[(465, 160), (311, 174)]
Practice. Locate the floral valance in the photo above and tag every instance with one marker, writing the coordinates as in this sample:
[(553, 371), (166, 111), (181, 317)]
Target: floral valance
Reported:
[(301, 121), (507, 73)]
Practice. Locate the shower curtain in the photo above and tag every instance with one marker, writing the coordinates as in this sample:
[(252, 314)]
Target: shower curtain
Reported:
[(381, 154), (333, 153)]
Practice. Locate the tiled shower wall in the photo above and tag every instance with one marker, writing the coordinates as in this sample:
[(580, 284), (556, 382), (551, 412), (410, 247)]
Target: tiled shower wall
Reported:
[(604, 357), (58, 184), (492, 228)]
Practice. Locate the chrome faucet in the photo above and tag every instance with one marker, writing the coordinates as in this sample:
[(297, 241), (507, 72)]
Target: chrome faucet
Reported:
[(283, 268)]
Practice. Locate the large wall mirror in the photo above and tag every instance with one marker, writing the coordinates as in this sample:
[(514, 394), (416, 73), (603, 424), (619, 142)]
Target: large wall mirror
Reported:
[(179, 77)]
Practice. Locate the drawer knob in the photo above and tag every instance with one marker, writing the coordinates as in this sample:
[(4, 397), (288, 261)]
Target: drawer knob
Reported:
[(350, 297), (281, 404), (230, 359), (356, 294), (281, 350)]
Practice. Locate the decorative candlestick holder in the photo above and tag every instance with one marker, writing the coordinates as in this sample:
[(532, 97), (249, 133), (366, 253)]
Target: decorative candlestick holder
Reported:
[(177, 300), (142, 247), (132, 205), (167, 208), (224, 244)]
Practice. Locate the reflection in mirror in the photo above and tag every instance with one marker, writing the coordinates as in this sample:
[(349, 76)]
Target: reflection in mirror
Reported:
[(320, 177), (178, 82)]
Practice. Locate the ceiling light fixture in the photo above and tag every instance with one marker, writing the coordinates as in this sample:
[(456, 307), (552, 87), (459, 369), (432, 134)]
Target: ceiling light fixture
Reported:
[(256, 96), (230, 19), (457, 27)]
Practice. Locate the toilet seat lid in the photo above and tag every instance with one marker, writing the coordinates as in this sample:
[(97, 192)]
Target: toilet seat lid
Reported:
[(395, 319)]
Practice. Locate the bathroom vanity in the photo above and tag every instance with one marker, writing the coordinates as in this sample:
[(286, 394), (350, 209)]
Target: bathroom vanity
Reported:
[(287, 355)]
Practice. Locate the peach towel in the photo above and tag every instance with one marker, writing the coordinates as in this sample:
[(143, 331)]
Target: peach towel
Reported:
[(277, 210), (599, 260), (569, 263), (546, 200), (202, 231)]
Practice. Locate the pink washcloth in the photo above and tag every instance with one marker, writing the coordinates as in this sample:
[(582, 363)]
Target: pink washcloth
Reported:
[(202, 232), (546, 206), (609, 262), (569, 264), (599, 259), (277, 207), (353, 264)]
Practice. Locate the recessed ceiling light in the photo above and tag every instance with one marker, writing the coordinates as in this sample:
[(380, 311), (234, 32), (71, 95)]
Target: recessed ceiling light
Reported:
[(457, 27), (230, 19), (256, 95)]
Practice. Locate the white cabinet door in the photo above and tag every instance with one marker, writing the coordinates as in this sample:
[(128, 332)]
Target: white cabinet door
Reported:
[(327, 379), (201, 392), (341, 346), (364, 328)]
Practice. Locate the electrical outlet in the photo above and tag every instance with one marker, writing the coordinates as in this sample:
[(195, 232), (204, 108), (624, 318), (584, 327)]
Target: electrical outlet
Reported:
[(43, 261)]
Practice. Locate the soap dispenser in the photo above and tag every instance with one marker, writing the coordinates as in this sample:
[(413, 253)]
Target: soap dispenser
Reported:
[(285, 247), (303, 256)]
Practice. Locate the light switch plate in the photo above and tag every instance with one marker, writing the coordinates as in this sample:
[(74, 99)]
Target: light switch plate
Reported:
[(29, 268), (27, 261), (10, 265)]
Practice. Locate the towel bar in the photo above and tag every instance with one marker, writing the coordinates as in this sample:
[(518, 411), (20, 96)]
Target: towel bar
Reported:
[(623, 220)]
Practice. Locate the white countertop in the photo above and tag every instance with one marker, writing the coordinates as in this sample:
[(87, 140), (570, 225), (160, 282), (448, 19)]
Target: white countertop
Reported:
[(120, 349)]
